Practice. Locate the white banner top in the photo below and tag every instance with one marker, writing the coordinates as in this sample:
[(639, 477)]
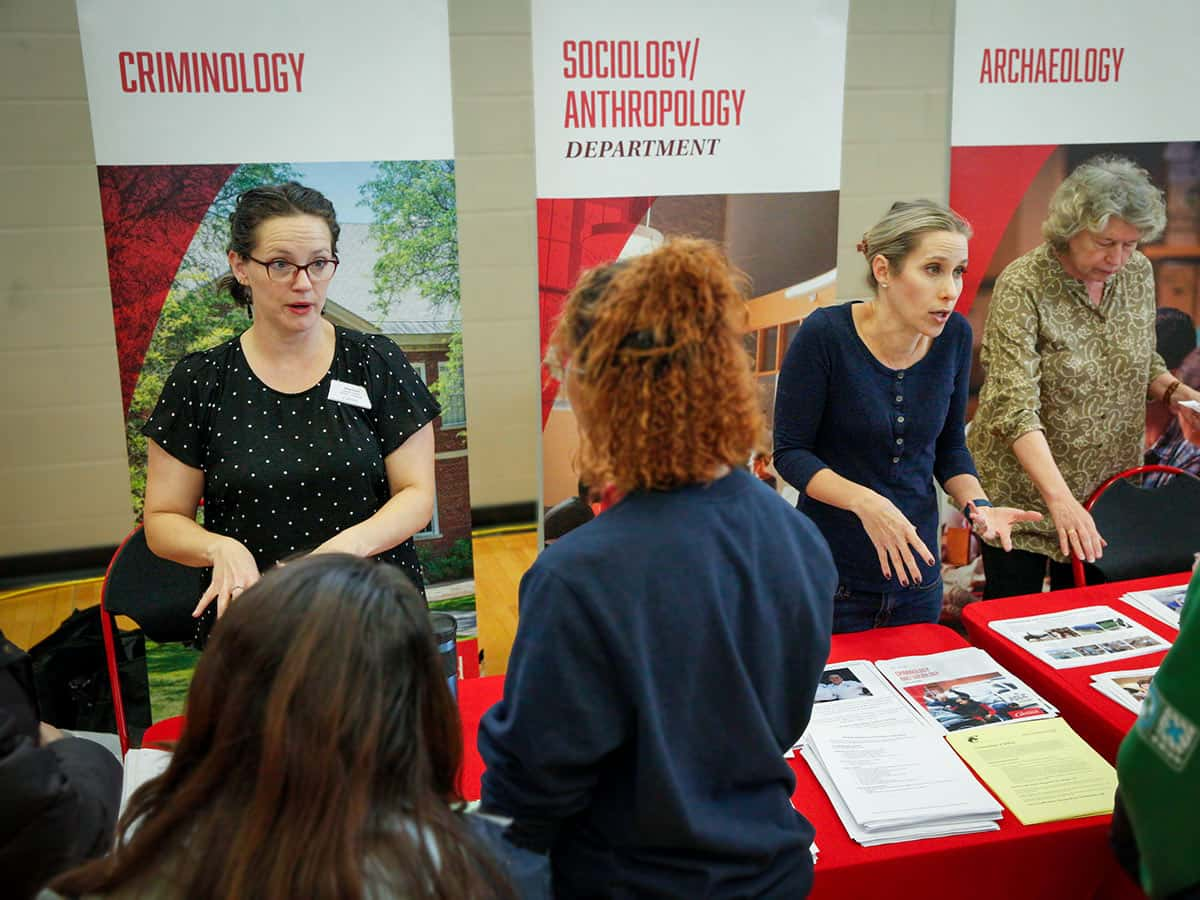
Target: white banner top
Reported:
[(678, 97), (1074, 72), (174, 81)]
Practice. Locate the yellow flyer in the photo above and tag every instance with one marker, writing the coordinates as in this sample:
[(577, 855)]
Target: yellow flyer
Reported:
[(1041, 770)]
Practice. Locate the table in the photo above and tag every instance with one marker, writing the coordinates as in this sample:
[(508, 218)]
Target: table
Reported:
[(1054, 861), (1100, 721)]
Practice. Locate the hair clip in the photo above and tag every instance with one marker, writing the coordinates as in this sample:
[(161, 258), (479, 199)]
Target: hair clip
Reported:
[(641, 340), (861, 246)]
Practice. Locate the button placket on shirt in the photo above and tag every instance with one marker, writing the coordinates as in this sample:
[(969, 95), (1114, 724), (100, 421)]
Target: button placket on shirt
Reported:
[(899, 419)]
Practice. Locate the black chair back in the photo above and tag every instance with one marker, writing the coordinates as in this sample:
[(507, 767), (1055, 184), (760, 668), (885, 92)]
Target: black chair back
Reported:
[(156, 593), (1150, 531), (564, 516)]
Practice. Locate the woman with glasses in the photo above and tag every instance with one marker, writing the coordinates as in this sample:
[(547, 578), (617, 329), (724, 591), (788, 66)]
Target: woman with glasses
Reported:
[(297, 435), (668, 651)]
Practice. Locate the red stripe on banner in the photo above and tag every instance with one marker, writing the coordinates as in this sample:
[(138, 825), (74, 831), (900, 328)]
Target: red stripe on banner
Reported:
[(987, 185), (575, 235), (151, 214)]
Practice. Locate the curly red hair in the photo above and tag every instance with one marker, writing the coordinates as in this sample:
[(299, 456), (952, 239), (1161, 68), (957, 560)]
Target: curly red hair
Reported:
[(661, 382)]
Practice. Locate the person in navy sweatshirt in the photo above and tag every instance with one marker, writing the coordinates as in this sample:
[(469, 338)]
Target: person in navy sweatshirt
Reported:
[(668, 651), (870, 410)]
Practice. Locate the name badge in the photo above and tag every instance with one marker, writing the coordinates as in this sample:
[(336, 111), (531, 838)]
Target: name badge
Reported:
[(354, 394)]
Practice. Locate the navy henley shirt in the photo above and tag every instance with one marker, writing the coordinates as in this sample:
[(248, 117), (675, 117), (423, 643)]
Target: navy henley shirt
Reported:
[(891, 430)]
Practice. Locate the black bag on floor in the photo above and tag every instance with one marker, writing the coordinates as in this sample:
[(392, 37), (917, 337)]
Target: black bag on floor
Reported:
[(71, 677)]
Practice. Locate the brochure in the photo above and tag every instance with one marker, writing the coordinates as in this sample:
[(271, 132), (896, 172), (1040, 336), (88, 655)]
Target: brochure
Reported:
[(1080, 637), (962, 689), (855, 692), (1128, 688), (1165, 603)]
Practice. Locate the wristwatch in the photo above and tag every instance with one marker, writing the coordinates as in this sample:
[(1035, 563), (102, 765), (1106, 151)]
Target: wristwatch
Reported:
[(978, 502)]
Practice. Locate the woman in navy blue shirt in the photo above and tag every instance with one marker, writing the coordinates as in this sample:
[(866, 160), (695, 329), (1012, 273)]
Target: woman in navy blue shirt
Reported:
[(870, 409), (644, 765)]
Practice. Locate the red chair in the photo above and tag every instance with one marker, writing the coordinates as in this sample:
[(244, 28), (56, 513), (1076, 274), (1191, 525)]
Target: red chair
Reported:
[(157, 594), (1150, 531)]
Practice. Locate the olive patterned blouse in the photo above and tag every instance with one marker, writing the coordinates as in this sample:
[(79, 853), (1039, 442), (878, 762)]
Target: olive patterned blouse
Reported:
[(1076, 370)]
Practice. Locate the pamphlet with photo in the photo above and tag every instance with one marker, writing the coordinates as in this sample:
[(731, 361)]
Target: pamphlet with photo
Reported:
[(962, 689), (1080, 637), (1165, 603), (1128, 688)]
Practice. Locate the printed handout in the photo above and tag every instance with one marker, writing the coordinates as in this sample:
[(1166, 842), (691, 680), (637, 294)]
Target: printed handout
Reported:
[(1165, 603), (1128, 688), (854, 692), (1043, 771), (962, 689), (1080, 637)]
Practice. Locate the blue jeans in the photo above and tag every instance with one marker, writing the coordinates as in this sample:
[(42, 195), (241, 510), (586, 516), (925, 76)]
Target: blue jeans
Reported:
[(855, 610)]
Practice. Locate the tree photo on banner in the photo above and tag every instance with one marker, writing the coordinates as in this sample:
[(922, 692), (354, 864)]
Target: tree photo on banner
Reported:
[(644, 133), (397, 275), (281, 100)]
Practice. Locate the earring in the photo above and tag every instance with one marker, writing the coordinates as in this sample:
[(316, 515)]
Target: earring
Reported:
[(883, 284)]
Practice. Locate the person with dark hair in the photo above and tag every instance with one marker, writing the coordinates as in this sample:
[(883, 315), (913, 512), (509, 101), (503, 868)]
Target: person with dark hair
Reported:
[(1179, 443), (59, 792), (318, 757), (1070, 359), (297, 435), (645, 763), (1174, 335), (1173, 438), (870, 409)]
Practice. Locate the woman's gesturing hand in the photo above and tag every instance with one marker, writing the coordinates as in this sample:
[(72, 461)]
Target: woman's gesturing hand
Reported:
[(234, 570), (895, 538), (1077, 534), (993, 523)]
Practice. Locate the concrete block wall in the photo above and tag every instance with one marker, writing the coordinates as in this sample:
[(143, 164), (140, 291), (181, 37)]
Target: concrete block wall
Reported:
[(63, 480), (896, 119)]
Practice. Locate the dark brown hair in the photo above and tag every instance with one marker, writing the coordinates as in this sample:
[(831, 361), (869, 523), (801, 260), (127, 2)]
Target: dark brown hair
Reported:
[(319, 755), (261, 204), (662, 382)]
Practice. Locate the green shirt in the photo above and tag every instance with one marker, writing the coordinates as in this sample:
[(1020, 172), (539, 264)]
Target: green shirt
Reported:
[(1077, 371), (1158, 765)]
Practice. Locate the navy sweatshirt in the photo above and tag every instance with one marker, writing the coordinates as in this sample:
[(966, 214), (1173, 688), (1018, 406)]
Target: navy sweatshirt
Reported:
[(666, 657), (892, 430)]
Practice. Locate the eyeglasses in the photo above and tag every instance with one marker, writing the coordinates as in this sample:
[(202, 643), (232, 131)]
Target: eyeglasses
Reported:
[(284, 270)]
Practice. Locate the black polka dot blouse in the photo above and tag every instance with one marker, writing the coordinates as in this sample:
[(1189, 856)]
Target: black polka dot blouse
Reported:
[(285, 472)]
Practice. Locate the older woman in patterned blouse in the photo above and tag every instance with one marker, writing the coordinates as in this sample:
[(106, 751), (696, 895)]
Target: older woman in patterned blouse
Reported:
[(1070, 358)]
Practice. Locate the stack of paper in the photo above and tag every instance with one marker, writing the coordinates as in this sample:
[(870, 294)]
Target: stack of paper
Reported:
[(898, 784), (962, 689), (889, 773), (854, 693), (1165, 603), (1128, 688), (1042, 770), (1080, 637), (140, 766)]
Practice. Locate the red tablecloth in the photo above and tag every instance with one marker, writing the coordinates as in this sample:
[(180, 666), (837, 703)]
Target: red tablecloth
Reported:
[(1055, 861), (1100, 721)]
